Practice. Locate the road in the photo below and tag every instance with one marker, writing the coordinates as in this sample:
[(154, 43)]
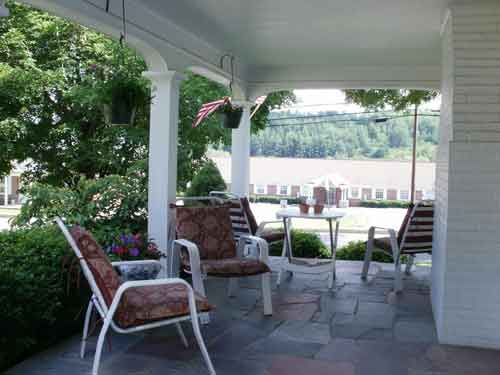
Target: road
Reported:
[(4, 223)]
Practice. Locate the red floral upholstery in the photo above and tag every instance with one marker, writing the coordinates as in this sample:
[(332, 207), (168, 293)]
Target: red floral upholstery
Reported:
[(139, 305), (105, 275), (234, 267), (209, 228), (151, 303)]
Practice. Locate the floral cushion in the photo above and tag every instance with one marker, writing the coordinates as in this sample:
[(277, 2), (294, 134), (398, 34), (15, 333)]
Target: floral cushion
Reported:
[(105, 275), (209, 228), (234, 267), (230, 267), (147, 304)]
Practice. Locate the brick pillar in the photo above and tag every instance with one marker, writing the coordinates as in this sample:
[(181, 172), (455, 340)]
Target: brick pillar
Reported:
[(466, 249)]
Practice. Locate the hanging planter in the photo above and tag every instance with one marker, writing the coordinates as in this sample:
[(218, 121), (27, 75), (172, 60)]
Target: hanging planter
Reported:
[(124, 95), (230, 115)]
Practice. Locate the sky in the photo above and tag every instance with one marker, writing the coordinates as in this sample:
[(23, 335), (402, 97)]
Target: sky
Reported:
[(325, 100)]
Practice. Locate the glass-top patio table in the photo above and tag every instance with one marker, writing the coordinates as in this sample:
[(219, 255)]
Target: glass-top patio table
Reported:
[(312, 266)]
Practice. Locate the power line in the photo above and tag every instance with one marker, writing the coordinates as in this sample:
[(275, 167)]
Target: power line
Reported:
[(364, 120), (335, 114)]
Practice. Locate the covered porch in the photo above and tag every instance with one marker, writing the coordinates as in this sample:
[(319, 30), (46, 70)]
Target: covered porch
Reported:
[(358, 329), (452, 46)]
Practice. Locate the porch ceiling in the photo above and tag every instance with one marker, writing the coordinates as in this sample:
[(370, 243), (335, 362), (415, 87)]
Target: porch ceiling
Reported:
[(284, 43)]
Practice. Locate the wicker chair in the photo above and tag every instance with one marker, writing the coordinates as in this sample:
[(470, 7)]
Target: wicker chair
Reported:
[(414, 237), (132, 306), (205, 246)]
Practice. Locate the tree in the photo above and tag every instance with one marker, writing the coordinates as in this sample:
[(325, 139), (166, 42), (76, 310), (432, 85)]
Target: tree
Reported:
[(208, 179), (51, 109), (398, 100)]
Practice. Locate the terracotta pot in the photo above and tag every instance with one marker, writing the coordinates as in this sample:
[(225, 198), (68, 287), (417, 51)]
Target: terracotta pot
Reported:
[(318, 209), (304, 208)]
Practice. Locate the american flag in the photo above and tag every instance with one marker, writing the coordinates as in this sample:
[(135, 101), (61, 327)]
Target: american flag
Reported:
[(207, 109)]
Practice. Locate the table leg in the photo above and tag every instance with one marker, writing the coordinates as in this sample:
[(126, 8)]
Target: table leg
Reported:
[(286, 250), (333, 246)]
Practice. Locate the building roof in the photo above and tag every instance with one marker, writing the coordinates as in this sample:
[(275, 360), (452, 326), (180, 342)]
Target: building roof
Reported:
[(382, 174)]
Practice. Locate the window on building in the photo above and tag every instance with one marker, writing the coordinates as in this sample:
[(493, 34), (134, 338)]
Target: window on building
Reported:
[(355, 193), (260, 189), (404, 195), (379, 194), (283, 190)]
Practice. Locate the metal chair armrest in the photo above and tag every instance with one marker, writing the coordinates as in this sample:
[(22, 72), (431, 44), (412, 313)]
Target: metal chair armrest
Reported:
[(194, 262), (260, 243), (262, 225)]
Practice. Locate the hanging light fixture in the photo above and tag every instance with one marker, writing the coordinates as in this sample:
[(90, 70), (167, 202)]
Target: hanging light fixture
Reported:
[(4, 11)]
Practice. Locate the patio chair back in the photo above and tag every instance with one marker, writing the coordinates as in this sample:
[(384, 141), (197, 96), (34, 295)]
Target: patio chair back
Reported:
[(209, 227), (415, 234), (100, 274), (242, 219)]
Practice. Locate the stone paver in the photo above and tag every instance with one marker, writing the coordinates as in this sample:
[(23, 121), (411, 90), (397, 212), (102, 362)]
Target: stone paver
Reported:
[(358, 328)]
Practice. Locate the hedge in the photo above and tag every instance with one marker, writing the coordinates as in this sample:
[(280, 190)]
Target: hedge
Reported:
[(275, 199), (37, 305), (385, 204), (309, 245)]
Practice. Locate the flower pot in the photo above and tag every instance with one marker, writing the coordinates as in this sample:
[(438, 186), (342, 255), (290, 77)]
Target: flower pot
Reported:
[(138, 270), (231, 119), (304, 208), (318, 209), (122, 109)]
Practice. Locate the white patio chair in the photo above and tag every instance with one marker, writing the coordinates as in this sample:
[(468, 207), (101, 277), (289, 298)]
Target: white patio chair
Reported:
[(132, 306), (414, 237), (205, 234)]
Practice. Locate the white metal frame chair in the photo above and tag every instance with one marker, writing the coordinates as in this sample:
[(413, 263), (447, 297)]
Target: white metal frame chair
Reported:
[(260, 245), (415, 237), (107, 313)]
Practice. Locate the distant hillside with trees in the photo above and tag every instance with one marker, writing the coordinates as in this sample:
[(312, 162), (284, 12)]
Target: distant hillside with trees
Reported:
[(346, 136)]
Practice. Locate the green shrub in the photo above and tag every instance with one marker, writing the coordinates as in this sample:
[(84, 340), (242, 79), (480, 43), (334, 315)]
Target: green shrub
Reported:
[(385, 204), (304, 245), (208, 179), (38, 304), (309, 245), (356, 251), (107, 206), (275, 199)]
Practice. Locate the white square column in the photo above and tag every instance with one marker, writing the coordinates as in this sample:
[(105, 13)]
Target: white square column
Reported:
[(240, 153), (163, 134), (466, 253)]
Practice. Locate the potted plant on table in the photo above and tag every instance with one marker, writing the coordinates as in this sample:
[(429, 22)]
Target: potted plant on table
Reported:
[(137, 255)]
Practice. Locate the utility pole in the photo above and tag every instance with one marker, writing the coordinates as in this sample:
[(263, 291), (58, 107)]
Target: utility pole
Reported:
[(414, 155)]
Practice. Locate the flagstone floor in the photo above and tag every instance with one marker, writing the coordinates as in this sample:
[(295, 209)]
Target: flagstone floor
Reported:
[(359, 328)]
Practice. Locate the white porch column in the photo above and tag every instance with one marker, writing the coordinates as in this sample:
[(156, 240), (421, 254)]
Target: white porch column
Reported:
[(240, 154), (164, 125), (6, 191), (466, 254)]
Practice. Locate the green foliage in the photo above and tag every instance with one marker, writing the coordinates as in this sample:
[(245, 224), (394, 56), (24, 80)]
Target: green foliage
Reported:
[(384, 204), (399, 100), (273, 199), (208, 179), (56, 76), (356, 137), (37, 305), (304, 245), (106, 206), (356, 251)]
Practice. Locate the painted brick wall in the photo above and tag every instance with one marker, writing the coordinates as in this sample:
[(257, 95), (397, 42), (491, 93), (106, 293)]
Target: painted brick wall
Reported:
[(466, 256)]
